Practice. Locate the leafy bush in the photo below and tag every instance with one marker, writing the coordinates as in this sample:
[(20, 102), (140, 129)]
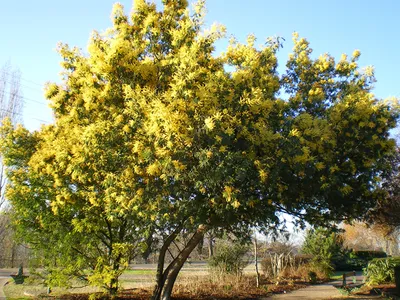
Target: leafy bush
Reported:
[(229, 259), (350, 264), (381, 270), (326, 246), (357, 260), (367, 255)]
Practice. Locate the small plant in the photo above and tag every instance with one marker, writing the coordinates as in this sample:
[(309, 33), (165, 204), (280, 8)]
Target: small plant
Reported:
[(343, 291), (312, 277), (228, 287), (347, 291), (19, 277)]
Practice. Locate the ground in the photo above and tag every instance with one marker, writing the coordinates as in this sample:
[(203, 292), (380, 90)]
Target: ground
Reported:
[(195, 283)]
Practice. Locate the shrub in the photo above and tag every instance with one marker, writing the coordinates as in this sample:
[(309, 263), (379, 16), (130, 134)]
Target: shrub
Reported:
[(290, 266), (303, 272), (307, 268), (326, 246), (357, 260), (367, 255), (266, 266), (302, 259), (284, 263), (381, 270), (229, 259), (276, 263)]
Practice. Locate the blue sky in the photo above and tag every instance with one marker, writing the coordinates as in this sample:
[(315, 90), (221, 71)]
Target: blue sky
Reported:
[(31, 30)]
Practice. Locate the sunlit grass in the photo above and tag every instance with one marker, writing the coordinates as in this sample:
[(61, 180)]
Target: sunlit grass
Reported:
[(140, 272)]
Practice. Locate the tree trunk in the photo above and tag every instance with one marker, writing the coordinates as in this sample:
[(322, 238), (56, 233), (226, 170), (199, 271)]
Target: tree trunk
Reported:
[(210, 246), (113, 288), (160, 278), (387, 246), (149, 245), (13, 256), (397, 278), (200, 248), (167, 278), (256, 261)]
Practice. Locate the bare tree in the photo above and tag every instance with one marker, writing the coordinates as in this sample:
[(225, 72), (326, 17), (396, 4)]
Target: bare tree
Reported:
[(11, 105)]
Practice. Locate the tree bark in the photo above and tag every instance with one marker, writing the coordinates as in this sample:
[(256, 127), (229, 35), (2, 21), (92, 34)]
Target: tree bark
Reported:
[(200, 246), (256, 261), (149, 245), (166, 280), (210, 246), (13, 255), (160, 280)]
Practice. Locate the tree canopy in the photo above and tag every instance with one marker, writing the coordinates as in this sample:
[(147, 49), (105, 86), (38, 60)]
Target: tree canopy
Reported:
[(153, 129)]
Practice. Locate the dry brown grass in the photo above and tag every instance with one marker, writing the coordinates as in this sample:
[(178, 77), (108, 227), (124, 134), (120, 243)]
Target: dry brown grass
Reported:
[(193, 287), (301, 273), (196, 288), (231, 287)]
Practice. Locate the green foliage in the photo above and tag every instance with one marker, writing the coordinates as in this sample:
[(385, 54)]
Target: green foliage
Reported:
[(367, 255), (347, 291), (357, 260), (107, 275), (381, 270), (325, 246), (229, 259), (387, 212), (312, 277)]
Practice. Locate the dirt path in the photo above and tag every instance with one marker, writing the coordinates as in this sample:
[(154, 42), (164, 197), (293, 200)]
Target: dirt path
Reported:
[(320, 291)]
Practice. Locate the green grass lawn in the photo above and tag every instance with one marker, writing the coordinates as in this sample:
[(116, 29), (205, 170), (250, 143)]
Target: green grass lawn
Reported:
[(338, 275), (33, 288), (140, 272)]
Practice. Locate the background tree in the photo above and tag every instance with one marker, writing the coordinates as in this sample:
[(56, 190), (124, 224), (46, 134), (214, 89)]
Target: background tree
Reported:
[(153, 129), (11, 104), (229, 258), (383, 222), (371, 237), (387, 212)]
